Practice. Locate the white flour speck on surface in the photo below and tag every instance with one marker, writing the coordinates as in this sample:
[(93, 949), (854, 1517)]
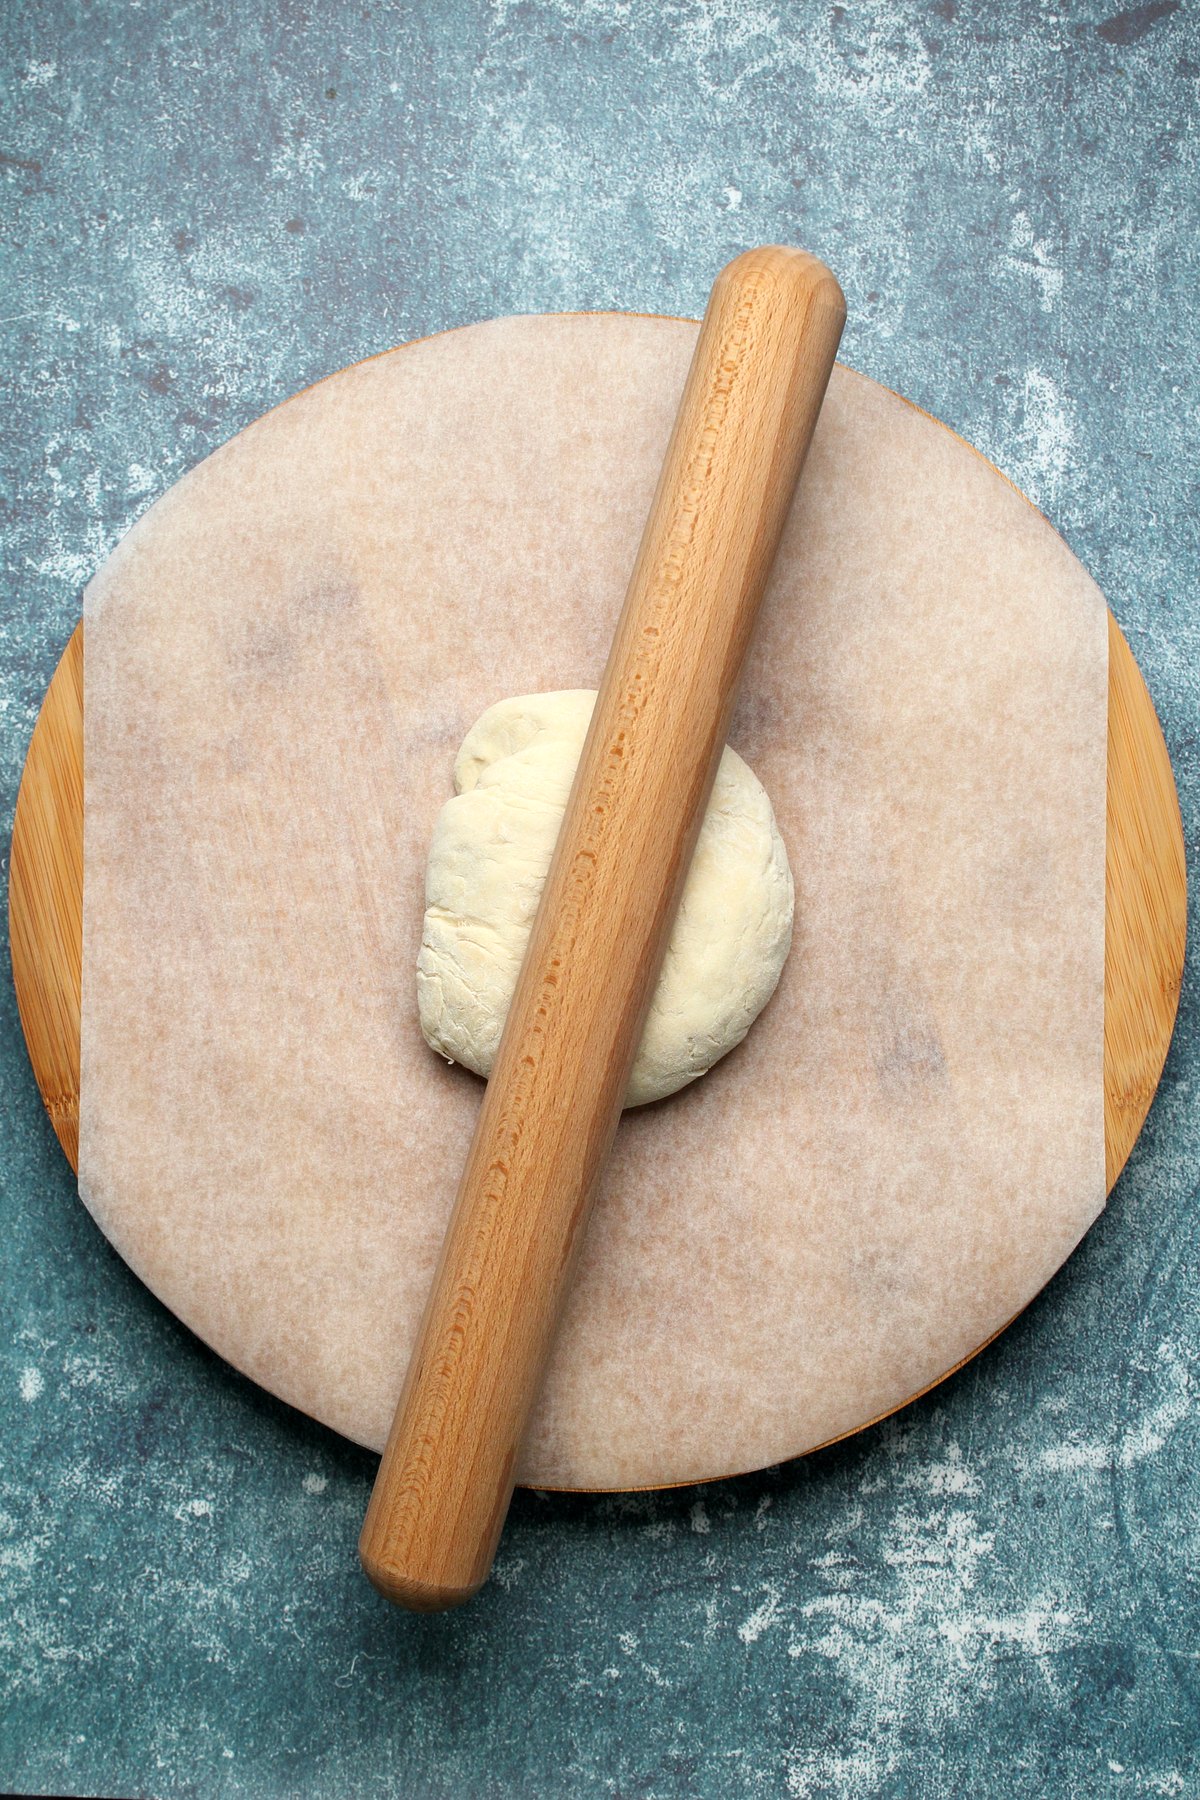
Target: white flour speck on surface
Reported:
[(933, 1604), (315, 1484), (347, 1676), (194, 1509), (810, 1774), (508, 1571), (1141, 1439), (947, 1475), (1076, 1453), (1032, 259), (1046, 437), (763, 1616), (141, 480), (33, 1384)]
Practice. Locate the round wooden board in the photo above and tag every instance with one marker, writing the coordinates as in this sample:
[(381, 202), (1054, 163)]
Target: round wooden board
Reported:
[(1144, 920)]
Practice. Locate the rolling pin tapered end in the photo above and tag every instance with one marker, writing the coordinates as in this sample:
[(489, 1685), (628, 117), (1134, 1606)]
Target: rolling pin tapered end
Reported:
[(797, 268), (423, 1596)]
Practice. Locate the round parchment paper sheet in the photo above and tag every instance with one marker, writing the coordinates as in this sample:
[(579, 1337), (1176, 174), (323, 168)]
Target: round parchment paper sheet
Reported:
[(282, 659)]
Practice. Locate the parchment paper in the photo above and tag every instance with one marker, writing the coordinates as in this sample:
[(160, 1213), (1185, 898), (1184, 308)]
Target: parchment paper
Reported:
[(281, 660)]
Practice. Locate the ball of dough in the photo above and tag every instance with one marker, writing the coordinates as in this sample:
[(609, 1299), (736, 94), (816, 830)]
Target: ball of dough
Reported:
[(489, 856)]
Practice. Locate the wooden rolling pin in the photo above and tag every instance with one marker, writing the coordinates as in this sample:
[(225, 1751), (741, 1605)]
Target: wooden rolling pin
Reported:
[(753, 392)]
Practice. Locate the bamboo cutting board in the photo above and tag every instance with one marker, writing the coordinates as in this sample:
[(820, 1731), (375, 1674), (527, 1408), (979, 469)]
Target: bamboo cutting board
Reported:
[(1145, 901)]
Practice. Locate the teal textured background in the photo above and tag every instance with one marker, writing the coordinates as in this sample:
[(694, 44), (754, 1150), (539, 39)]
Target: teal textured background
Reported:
[(206, 208)]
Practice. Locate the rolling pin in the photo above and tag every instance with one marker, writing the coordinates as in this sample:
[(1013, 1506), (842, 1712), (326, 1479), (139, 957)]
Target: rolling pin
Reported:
[(749, 406)]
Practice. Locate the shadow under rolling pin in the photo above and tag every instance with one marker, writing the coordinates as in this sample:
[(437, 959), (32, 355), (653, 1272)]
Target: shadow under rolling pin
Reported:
[(749, 406)]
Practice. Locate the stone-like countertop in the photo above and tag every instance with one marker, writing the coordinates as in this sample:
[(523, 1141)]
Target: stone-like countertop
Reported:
[(995, 1594)]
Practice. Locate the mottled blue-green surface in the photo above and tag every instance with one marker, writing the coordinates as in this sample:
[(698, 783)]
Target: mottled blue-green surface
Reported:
[(207, 207)]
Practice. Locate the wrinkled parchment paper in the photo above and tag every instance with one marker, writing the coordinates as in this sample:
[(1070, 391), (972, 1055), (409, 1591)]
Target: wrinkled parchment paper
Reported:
[(281, 660)]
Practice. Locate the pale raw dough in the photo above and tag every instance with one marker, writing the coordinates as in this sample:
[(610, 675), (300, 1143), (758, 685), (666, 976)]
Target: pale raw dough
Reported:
[(488, 859)]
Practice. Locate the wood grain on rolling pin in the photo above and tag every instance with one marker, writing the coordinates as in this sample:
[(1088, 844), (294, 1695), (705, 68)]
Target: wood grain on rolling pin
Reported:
[(749, 406)]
